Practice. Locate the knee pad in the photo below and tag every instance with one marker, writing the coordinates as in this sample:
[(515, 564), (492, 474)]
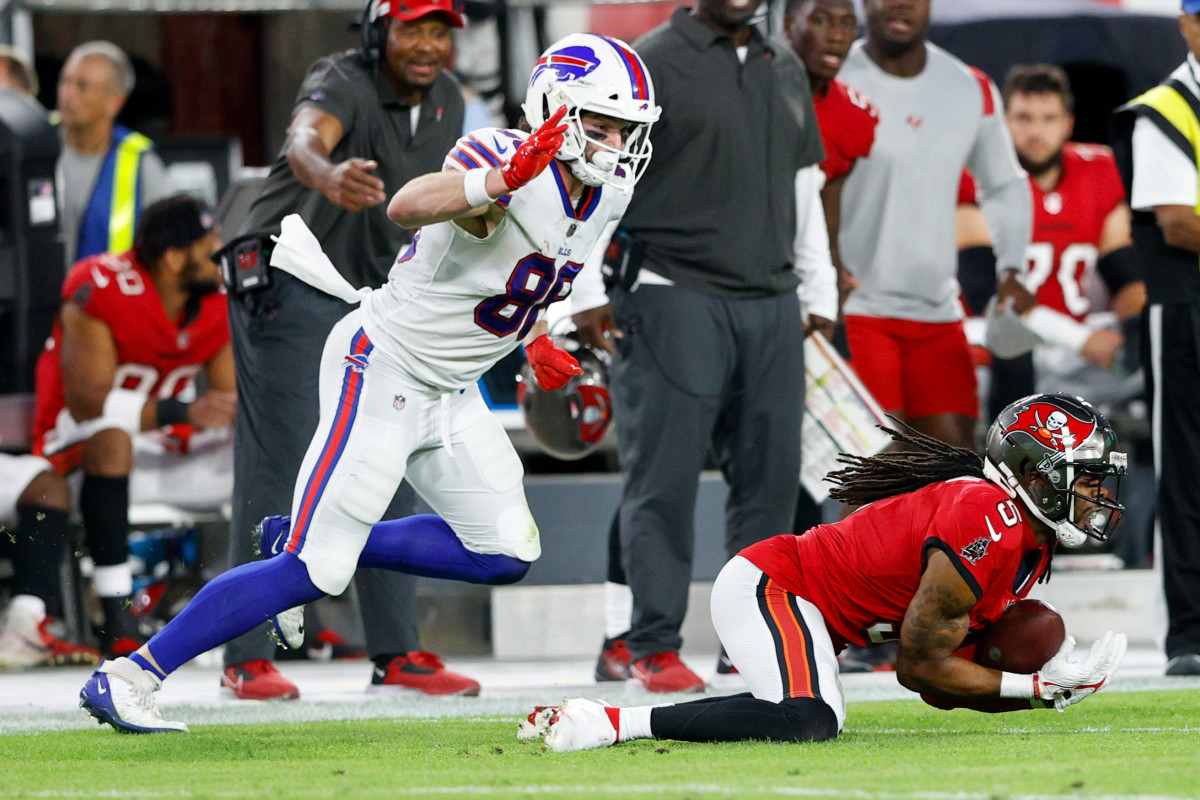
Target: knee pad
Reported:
[(518, 534), (331, 557)]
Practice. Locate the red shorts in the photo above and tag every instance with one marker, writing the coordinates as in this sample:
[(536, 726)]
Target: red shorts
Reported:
[(917, 368)]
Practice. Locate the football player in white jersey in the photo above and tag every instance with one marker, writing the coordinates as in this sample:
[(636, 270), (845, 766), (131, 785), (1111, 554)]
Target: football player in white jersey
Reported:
[(505, 228)]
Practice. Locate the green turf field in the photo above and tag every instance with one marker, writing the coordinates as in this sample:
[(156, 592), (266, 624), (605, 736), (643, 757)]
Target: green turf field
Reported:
[(1121, 745)]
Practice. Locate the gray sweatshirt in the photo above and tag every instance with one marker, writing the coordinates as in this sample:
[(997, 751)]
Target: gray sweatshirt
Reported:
[(897, 225)]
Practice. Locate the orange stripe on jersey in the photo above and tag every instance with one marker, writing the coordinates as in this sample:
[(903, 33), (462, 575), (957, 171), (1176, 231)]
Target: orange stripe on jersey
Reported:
[(793, 644), (985, 83)]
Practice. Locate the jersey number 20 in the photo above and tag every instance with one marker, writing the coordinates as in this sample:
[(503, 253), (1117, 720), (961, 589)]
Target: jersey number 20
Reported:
[(533, 285)]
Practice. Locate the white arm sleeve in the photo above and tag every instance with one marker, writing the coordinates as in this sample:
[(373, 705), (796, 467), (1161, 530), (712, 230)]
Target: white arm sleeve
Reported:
[(1054, 327), (1162, 174), (818, 279), (587, 291), (1004, 193)]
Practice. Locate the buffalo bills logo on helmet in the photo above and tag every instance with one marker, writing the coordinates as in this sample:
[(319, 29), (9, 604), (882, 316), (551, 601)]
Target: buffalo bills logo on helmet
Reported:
[(1051, 426), (568, 64)]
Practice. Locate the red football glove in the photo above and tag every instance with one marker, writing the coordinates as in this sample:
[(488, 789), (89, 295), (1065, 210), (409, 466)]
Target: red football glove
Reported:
[(535, 152), (553, 367)]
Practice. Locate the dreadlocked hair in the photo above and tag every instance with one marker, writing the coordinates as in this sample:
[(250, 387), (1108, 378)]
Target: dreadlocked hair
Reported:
[(869, 478)]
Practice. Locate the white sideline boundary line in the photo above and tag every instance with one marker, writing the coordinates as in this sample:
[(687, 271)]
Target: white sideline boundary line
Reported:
[(610, 790)]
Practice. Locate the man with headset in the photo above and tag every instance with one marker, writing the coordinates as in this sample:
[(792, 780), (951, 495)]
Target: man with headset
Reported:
[(364, 123)]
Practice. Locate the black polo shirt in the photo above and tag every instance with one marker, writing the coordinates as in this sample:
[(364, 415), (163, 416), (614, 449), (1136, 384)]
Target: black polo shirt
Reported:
[(716, 206), (376, 125)]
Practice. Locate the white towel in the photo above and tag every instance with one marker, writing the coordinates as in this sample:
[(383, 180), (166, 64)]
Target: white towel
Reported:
[(299, 253), (1007, 334)]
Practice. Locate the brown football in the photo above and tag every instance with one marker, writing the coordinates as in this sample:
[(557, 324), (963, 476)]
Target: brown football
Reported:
[(1026, 636)]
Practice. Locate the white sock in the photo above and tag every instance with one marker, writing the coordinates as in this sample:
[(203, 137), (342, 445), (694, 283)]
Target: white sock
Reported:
[(127, 669), (635, 723), (618, 609), (113, 581)]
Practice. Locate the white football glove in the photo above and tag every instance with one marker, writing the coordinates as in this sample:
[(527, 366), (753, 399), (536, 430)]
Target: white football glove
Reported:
[(1067, 682)]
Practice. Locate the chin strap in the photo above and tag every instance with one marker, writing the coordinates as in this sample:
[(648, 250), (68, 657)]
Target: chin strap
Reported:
[(1067, 534)]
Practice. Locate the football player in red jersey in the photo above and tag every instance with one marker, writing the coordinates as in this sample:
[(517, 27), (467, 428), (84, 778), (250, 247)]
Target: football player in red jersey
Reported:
[(942, 542), (116, 387), (1080, 249), (821, 32)]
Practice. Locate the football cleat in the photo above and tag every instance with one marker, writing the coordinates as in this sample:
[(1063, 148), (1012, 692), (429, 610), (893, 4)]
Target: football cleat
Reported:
[(121, 694), (271, 535), (257, 680), (270, 539), (537, 723), (419, 671), (664, 672), (613, 661), (581, 724), (1186, 664), (27, 638)]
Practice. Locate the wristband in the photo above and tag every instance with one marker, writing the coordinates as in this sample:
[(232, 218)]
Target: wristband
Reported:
[(1014, 685), (475, 187), (170, 411), (123, 409)]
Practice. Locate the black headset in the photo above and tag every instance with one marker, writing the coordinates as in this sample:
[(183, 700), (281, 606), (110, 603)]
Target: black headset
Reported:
[(374, 31)]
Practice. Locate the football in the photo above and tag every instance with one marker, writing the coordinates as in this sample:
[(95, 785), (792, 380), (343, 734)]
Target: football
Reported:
[(1026, 636)]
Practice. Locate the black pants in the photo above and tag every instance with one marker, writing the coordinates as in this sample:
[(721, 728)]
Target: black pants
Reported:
[(697, 371), (1173, 382), (278, 335)]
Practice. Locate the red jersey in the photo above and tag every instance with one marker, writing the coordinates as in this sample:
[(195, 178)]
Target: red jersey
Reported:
[(863, 572), (1068, 221), (846, 118), (155, 355)]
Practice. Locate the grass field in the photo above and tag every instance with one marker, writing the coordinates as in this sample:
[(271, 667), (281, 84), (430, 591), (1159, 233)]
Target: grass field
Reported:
[(1120, 745)]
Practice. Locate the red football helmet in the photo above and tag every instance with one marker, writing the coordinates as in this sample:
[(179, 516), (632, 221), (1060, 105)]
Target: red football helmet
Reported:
[(568, 423)]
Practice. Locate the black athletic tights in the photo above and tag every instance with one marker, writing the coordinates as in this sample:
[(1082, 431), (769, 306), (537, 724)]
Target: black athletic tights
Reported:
[(742, 716)]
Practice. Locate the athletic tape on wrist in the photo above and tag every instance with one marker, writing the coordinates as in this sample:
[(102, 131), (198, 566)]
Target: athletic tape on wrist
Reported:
[(475, 187), (123, 409), (1014, 685)]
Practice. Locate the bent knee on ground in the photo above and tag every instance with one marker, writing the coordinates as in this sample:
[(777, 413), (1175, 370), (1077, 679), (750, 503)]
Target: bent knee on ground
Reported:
[(809, 720)]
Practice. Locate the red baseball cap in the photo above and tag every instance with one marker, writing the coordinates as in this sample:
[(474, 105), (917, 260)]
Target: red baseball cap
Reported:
[(408, 10)]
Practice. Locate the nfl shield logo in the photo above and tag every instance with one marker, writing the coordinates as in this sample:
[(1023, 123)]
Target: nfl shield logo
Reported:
[(398, 403)]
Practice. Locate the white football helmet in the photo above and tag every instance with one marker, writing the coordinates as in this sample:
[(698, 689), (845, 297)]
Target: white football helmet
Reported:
[(587, 72)]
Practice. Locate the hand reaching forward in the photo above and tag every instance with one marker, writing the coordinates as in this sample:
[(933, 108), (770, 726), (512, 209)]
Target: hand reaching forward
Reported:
[(1067, 682), (535, 152)]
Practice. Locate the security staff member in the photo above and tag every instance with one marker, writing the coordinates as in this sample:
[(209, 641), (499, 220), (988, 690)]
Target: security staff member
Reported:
[(1158, 151), (364, 123)]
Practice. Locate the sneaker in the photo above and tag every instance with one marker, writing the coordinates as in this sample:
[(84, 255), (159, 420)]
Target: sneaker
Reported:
[(121, 694), (1186, 664), (257, 680), (121, 647), (270, 537), (664, 672), (580, 724), (419, 671), (724, 665), (881, 658), (29, 638), (613, 662)]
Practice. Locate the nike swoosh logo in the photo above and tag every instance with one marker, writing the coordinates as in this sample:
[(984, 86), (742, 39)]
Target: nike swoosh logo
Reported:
[(501, 149), (99, 277), (991, 530), (276, 547), (103, 687)]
